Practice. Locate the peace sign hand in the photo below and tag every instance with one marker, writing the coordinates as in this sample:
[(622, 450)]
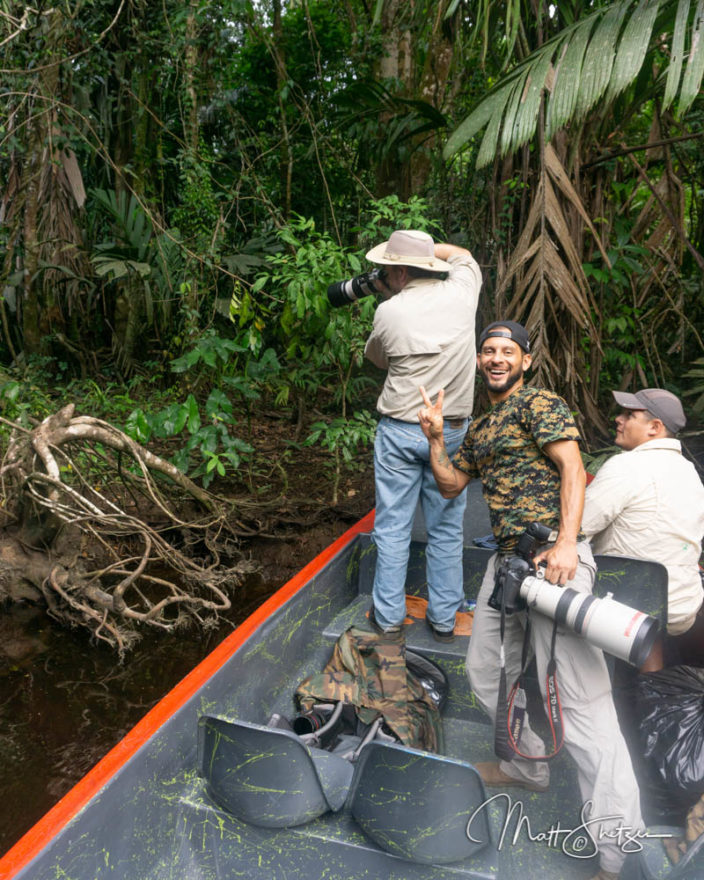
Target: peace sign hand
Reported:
[(430, 417)]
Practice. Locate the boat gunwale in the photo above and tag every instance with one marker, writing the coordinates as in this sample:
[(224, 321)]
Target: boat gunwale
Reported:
[(40, 835)]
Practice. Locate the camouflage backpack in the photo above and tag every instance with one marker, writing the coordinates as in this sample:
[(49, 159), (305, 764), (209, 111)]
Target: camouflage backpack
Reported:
[(373, 684)]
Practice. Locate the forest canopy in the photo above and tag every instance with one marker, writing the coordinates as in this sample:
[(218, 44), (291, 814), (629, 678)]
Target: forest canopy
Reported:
[(160, 162), (180, 182)]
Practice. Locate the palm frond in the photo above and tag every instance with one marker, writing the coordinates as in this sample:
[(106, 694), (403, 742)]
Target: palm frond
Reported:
[(537, 257), (674, 71), (632, 47), (487, 150), (593, 60), (491, 107), (568, 72), (527, 113), (695, 65), (559, 175), (599, 59)]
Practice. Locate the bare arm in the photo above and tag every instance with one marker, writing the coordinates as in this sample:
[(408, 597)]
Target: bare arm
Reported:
[(444, 251), (451, 481), (562, 557)]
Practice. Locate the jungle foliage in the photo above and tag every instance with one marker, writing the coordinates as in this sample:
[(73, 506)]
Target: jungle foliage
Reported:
[(179, 183)]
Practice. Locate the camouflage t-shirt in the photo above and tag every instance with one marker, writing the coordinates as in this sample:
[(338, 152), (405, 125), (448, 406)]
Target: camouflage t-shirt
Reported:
[(504, 448)]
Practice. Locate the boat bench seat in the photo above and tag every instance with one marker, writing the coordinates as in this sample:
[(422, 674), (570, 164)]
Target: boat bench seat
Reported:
[(411, 803), (267, 776), (636, 582), (417, 805), (652, 862)]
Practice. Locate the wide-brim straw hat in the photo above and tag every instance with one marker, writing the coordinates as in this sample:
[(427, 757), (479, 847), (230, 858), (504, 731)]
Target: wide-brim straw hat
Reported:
[(408, 247)]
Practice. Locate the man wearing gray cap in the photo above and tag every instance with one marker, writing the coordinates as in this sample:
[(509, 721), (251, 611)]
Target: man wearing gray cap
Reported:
[(423, 334), (648, 502)]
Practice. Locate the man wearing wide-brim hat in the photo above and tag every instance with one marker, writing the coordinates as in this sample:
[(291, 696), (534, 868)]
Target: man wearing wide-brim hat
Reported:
[(423, 334), (648, 502)]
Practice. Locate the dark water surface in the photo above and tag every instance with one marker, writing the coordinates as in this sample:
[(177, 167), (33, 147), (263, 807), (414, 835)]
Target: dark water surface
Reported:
[(64, 703)]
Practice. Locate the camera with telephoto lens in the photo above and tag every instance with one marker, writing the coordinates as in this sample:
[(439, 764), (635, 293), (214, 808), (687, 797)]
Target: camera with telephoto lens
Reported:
[(342, 293), (514, 569), (616, 628)]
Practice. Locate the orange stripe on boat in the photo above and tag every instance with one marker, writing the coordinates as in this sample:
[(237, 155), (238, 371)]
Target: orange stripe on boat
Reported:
[(33, 842)]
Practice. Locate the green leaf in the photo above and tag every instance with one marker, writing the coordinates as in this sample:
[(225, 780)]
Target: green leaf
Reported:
[(218, 405), (674, 69), (183, 363), (209, 356), (632, 47), (692, 80), (488, 109), (599, 58), (526, 119), (137, 426), (487, 150), (107, 266), (11, 390), (508, 125), (563, 100), (193, 414)]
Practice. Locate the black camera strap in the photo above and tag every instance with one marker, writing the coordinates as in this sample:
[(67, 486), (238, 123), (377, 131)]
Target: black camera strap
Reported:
[(511, 709)]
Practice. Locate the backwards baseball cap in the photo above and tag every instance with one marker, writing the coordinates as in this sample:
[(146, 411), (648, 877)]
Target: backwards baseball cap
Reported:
[(660, 403), (509, 329)]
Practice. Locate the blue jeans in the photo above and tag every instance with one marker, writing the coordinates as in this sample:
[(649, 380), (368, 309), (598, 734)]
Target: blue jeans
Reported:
[(402, 475)]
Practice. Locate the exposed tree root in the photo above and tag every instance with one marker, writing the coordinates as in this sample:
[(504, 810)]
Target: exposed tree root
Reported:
[(156, 549)]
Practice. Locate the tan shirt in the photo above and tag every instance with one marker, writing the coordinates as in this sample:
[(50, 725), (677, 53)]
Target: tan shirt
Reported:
[(424, 335), (649, 503)]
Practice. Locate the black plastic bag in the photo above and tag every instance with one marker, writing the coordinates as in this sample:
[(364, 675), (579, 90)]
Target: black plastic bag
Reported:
[(670, 709)]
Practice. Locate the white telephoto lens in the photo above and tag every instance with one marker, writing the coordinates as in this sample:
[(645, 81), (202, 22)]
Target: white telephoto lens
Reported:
[(618, 629)]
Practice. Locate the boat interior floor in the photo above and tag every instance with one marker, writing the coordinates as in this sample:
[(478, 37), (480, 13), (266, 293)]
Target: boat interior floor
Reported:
[(521, 823), (165, 825)]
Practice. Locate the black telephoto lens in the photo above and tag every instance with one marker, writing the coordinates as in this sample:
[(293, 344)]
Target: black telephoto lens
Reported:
[(342, 293)]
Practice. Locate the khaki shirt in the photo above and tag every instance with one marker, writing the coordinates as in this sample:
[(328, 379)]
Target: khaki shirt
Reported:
[(424, 335), (649, 503)]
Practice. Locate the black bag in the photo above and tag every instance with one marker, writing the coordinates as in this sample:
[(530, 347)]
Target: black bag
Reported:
[(670, 709)]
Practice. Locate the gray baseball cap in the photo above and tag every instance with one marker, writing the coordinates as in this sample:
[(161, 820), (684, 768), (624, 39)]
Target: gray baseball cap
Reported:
[(660, 403)]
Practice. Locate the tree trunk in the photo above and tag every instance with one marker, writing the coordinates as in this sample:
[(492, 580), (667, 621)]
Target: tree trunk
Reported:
[(396, 62), (434, 83), (39, 311), (285, 151)]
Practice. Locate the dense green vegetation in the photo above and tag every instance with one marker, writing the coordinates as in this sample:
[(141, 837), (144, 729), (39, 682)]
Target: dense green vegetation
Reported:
[(179, 183)]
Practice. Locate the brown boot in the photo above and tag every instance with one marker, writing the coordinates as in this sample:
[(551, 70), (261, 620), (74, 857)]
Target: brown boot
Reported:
[(492, 774)]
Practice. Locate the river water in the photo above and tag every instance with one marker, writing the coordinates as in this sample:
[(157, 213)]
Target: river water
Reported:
[(64, 703)]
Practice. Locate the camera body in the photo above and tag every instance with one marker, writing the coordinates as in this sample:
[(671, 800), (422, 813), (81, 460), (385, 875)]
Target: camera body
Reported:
[(618, 629), (515, 569), (342, 293)]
